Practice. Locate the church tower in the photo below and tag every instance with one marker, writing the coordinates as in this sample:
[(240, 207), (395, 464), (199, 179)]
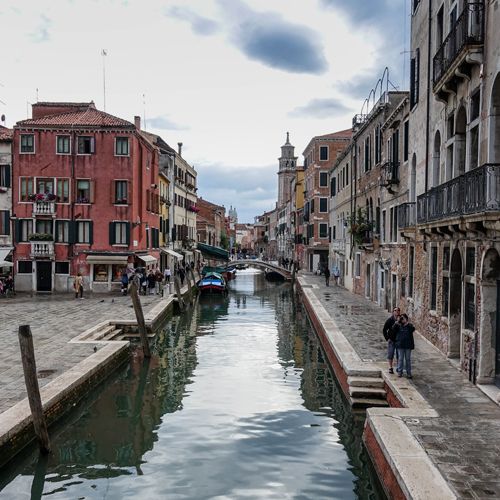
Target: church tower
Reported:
[(286, 173)]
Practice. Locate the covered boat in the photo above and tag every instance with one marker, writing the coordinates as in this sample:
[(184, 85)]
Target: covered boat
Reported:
[(212, 282)]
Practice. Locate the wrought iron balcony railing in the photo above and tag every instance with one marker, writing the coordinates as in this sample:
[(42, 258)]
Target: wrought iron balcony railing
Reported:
[(407, 216), (474, 192), (390, 173), (468, 30)]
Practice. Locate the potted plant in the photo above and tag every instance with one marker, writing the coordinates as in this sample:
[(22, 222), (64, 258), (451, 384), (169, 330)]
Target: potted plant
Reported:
[(40, 237), (360, 226)]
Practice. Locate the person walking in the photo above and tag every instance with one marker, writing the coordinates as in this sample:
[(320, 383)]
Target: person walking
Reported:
[(389, 331), (336, 274), (124, 282), (405, 343), (151, 283), (158, 282), (182, 275), (78, 285), (327, 276), (167, 273)]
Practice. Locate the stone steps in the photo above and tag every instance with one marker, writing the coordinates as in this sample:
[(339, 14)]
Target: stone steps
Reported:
[(368, 403), (114, 333), (367, 392), (374, 382)]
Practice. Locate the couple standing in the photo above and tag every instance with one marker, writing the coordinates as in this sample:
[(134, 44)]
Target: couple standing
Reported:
[(398, 332)]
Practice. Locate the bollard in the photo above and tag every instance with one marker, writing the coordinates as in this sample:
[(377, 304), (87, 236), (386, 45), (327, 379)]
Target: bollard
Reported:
[(136, 301), (35, 401)]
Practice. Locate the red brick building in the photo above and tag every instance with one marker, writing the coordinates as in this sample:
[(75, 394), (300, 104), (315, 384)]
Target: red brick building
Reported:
[(85, 198), (210, 222)]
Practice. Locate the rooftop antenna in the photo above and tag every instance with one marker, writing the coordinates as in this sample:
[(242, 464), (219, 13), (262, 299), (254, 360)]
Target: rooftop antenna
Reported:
[(104, 53), (28, 109), (144, 110), (37, 94)]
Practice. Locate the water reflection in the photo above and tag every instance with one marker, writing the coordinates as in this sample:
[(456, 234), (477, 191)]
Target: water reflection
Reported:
[(237, 402)]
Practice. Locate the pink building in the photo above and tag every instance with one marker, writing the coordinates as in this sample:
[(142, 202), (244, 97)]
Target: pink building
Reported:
[(85, 198)]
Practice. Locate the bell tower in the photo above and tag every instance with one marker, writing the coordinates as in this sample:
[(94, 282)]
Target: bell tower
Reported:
[(286, 173)]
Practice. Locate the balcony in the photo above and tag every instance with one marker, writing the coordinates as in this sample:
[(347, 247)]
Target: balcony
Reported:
[(390, 174), (456, 53), (338, 245), (44, 208), (407, 216), (42, 250), (475, 192)]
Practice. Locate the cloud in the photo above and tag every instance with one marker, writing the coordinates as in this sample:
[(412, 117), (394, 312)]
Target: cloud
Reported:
[(41, 33), (320, 108), (252, 188), (199, 24), (164, 123), (266, 37)]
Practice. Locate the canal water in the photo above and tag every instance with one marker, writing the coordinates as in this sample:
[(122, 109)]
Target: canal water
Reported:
[(237, 402)]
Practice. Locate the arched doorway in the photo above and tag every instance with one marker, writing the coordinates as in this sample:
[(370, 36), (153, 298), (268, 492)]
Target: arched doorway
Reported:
[(494, 142), (455, 301), (460, 142), (436, 160), (489, 319)]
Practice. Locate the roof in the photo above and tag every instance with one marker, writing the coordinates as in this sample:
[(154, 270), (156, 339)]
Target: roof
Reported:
[(156, 140), (89, 117), (63, 104), (5, 133), (336, 135)]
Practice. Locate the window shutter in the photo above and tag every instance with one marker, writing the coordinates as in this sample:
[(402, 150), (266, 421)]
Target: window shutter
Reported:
[(148, 200), (18, 230), (129, 192), (111, 233), (91, 232), (92, 191), (72, 226), (56, 235), (92, 144), (6, 215), (7, 176), (112, 192), (127, 233)]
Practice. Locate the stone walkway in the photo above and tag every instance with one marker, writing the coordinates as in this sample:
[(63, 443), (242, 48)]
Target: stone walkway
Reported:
[(464, 441), (54, 320)]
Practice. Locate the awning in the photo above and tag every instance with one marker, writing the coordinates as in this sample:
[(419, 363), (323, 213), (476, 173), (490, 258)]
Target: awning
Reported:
[(175, 255), (107, 259), (4, 263), (147, 259), (4, 251), (213, 252)]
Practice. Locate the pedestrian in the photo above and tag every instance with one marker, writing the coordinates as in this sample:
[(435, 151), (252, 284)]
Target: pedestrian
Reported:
[(336, 274), (151, 282), (9, 285), (167, 273), (327, 276), (124, 282), (405, 343), (182, 275), (389, 332), (78, 285), (158, 281)]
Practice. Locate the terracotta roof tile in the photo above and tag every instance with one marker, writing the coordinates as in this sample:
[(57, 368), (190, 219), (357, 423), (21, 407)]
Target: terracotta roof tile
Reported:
[(90, 117), (5, 133), (341, 134)]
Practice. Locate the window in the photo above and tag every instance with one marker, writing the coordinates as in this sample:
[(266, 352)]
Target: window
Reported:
[(446, 293), (323, 205), (323, 179), (62, 190), (101, 272), (383, 228), (5, 176), (451, 126), (82, 191), (24, 229), (470, 306), (415, 5), (414, 78), (121, 233), (403, 287), (63, 144), (24, 267), (446, 258), (368, 154), (27, 143), (406, 140), (44, 185), (4, 222), (474, 105), (470, 261), (84, 232), (121, 194), (117, 271), (357, 265), (62, 267), (121, 146), (85, 145), (44, 227), (411, 264), (433, 281), (312, 206), (323, 153), (474, 147), (62, 231), (347, 174), (323, 230), (26, 188)]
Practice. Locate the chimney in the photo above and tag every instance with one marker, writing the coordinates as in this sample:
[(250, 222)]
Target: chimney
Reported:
[(137, 122), (180, 148)]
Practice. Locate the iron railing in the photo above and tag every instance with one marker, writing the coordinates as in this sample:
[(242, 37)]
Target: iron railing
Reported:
[(473, 192), (468, 30), (407, 216), (390, 173)]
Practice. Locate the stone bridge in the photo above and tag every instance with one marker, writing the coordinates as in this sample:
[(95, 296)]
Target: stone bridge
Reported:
[(260, 264)]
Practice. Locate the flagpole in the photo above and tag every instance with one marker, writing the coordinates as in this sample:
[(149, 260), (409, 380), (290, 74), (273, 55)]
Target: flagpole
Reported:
[(104, 53)]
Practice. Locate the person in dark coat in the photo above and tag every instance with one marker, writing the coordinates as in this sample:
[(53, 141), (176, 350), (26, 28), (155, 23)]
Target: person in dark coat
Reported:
[(327, 276), (151, 283), (182, 275), (404, 344), (389, 332)]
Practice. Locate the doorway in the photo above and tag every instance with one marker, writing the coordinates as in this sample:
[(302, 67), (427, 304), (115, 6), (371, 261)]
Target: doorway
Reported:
[(455, 314), (497, 338), (44, 276)]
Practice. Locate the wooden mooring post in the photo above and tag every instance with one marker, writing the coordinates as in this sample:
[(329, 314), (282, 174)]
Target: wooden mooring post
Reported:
[(35, 401), (136, 301), (177, 285)]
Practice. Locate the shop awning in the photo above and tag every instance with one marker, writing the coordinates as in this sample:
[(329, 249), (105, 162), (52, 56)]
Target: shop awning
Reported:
[(4, 251), (213, 252), (107, 259), (5, 263), (175, 255), (147, 259)]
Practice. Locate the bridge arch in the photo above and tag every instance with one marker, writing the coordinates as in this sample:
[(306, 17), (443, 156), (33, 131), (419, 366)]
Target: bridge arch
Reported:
[(260, 264)]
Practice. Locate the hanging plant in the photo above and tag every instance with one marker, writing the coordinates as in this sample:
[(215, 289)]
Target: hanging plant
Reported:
[(360, 226)]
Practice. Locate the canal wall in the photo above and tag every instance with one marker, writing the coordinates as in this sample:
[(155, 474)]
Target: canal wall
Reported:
[(63, 393), (404, 468)]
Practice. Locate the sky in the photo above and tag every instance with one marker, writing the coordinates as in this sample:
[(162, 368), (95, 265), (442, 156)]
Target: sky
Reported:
[(227, 78)]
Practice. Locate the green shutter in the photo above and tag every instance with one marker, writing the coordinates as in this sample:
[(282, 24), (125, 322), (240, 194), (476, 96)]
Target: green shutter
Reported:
[(111, 233), (7, 176), (127, 233), (17, 236), (6, 215), (56, 235), (72, 231), (91, 232)]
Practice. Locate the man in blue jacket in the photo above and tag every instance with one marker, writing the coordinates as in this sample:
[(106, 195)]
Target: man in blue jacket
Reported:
[(404, 345)]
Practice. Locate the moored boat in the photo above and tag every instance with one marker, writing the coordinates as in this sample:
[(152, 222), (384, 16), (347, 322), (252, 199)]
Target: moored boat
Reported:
[(212, 282)]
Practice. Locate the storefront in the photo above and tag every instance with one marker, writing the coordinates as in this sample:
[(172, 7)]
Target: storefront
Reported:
[(106, 271), (5, 265), (147, 261), (169, 258)]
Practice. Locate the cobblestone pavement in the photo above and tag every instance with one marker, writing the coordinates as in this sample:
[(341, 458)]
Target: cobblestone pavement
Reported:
[(54, 320), (464, 441)]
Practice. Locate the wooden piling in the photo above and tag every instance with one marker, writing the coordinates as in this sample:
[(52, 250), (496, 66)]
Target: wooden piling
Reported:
[(136, 301), (30, 377), (177, 285)]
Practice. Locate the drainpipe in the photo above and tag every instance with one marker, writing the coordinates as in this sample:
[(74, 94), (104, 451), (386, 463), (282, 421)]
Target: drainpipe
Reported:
[(427, 120)]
